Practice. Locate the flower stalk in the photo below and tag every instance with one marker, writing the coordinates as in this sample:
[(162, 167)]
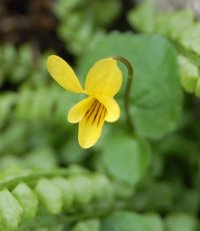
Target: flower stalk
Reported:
[(127, 91)]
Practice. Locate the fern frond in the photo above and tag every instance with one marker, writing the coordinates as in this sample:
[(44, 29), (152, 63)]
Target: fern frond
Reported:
[(81, 30), (32, 195), (21, 66), (30, 115)]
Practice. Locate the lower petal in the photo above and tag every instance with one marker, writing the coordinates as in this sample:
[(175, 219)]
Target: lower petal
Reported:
[(89, 133), (77, 112), (112, 107)]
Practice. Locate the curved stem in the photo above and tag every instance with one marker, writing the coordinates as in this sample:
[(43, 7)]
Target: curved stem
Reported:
[(127, 90)]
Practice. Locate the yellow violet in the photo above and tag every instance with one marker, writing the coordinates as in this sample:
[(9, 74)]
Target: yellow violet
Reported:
[(103, 81)]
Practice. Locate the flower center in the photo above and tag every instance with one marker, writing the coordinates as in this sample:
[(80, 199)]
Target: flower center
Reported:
[(96, 113)]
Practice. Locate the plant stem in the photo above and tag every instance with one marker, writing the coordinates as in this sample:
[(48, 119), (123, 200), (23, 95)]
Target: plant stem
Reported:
[(188, 53), (34, 176), (95, 212), (127, 90)]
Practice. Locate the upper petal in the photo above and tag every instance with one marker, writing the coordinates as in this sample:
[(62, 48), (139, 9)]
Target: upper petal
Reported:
[(77, 112), (63, 74), (112, 108), (104, 78)]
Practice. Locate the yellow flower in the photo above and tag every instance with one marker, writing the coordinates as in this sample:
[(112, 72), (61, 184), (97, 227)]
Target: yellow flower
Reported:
[(102, 83)]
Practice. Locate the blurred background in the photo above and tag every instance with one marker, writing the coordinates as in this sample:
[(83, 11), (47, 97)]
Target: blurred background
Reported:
[(34, 133)]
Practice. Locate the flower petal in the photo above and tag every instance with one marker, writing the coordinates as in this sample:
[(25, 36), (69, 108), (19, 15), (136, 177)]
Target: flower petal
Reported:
[(112, 107), (104, 78), (90, 127), (77, 112), (63, 74)]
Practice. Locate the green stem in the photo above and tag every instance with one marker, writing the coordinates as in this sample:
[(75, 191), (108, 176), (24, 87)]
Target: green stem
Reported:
[(95, 212), (194, 57), (127, 91), (34, 176)]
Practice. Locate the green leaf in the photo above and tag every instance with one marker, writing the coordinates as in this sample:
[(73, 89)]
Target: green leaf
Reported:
[(41, 158), (190, 38), (66, 190), (143, 17), (102, 186), (14, 134), (27, 199), (49, 195), (146, 18), (25, 54), (8, 57), (126, 158), (155, 221), (62, 7), (181, 222), (123, 190), (109, 15), (87, 225), (10, 162), (6, 103), (10, 211), (156, 97), (189, 74), (173, 24), (83, 189), (197, 88), (127, 221)]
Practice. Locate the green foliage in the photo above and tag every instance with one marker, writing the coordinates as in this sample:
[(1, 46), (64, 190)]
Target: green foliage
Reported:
[(189, 38), (147, 180), (10, 210), (178, 222), (26, 110), (82, 22), (136, 17), (26, 198), (171, 24), (132, 159), (127, 221), (19, 66), (87, 225), (189, 75), (180, 27)]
